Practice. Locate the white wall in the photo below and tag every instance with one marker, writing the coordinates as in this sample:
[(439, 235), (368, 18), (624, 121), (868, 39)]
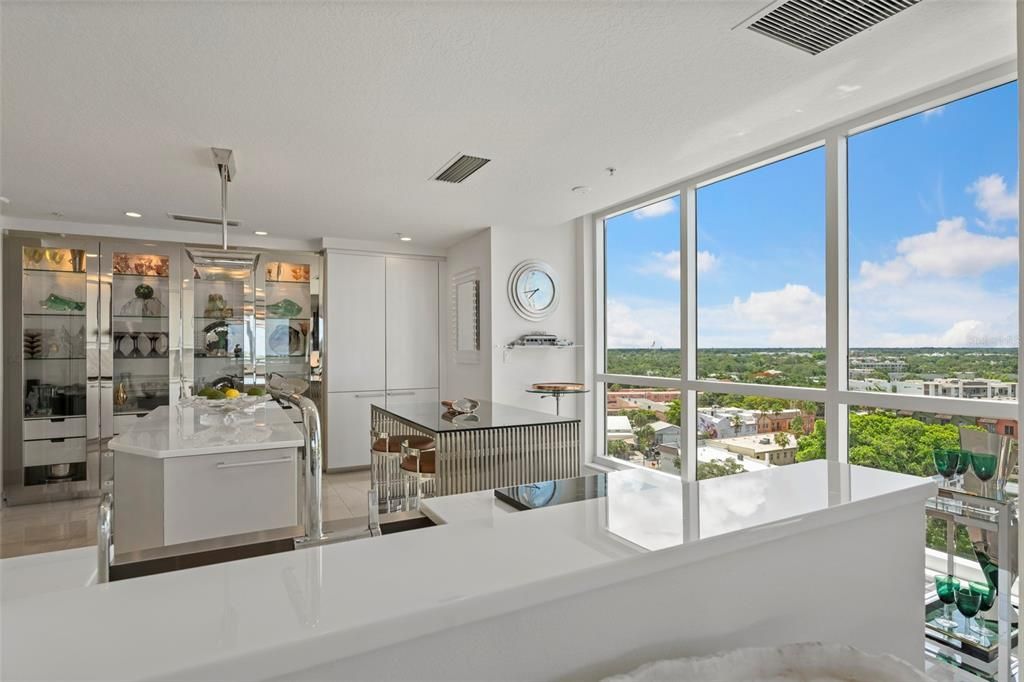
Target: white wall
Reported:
[(513, 371), (504, 375), (469, 380)]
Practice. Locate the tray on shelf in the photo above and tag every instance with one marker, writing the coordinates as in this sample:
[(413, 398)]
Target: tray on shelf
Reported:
[(962, 639)]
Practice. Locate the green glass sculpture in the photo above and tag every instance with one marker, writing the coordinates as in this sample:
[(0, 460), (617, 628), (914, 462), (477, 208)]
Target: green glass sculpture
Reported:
[(284, 308), (61, 304)]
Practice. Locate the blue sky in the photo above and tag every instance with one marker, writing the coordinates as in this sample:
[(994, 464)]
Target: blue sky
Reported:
[(932, 235)]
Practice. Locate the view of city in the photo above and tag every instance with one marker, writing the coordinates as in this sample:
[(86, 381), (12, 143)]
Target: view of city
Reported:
[(932, 281)]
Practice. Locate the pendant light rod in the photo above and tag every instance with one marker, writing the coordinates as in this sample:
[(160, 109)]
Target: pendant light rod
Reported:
[(225, 160)]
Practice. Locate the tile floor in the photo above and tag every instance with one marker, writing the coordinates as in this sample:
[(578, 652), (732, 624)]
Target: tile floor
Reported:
[(35, 528)]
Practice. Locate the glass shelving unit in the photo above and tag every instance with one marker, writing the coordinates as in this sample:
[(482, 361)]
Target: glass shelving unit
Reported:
[(289, 319), (219, 319), (55, 329)]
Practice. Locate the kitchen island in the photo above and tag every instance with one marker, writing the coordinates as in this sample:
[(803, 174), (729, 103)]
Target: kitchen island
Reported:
[(647, 568), (183, 474), (497, 445)]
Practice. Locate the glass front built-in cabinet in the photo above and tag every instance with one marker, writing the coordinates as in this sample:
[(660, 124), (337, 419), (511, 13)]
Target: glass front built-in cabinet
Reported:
[(107, 331)]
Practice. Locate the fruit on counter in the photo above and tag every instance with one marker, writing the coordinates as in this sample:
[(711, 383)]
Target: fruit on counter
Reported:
[(231, 393), (284, 308), (212, 393), (61, 304), (256, 391)]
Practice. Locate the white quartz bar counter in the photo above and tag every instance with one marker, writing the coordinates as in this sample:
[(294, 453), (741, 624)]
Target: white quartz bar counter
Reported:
[(185, 431), (272, 616)]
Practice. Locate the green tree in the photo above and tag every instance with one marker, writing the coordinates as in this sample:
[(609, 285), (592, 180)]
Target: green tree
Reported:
[(796, 426), (716, 468), (673, 415), (618, 448), (736, 422), (812, 446), (644, 437), (781, 439), (638, 418)]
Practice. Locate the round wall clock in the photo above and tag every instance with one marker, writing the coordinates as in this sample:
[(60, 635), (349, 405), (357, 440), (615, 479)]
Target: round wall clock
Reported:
[(533, 290)]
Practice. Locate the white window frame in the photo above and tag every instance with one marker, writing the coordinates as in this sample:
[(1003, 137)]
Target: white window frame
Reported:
[(836, 396)]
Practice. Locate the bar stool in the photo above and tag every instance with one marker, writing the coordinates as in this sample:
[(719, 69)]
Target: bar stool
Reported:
[(418, 466), (385, 456)]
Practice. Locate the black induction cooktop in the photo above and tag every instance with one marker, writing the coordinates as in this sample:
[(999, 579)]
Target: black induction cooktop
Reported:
[(551, 493)]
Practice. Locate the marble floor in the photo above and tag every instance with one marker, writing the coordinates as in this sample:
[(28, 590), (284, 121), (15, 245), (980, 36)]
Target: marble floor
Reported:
[(31, 529)]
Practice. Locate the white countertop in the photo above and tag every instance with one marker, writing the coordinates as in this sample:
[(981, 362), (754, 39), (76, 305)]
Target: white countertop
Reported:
[(185, 431), (273, 615)]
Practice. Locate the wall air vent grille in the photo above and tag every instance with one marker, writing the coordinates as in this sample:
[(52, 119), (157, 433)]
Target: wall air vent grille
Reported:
[(816, 25), (460, 168)]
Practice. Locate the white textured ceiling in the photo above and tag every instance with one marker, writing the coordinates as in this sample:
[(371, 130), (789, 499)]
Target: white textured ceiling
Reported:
[(338, 113)]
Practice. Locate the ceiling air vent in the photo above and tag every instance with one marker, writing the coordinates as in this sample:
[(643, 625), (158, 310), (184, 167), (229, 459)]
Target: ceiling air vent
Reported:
[(201, 219), (816, 25), (460, 168)]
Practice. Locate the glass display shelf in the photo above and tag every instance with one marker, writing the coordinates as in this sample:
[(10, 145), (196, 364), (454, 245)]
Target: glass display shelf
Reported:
[(80, 273), (80, 313), (65, 359), (140, 317)]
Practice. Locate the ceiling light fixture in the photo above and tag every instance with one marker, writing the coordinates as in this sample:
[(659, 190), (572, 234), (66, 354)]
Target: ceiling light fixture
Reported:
[(4, 200), (133, 214), (403, 237), (581, 189), (260, 233)]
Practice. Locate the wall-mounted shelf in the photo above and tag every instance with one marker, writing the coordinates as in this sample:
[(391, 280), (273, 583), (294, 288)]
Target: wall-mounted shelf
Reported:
[(513, 346)]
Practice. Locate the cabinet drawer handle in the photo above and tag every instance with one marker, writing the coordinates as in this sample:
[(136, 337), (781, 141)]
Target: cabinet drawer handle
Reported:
[(401, 392), (57, 419), (235, 465), (56, 440), (369, 395)]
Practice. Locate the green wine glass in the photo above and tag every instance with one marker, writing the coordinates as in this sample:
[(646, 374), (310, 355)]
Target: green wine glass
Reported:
[(963, 466), (984, 468), (946, 587), (989, 567), (988, 599), (946, 462), (968, 603)]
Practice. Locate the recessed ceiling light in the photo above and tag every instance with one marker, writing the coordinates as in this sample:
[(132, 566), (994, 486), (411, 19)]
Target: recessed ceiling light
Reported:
[(4, 200), (403, 237), (260, 233), (57, 214), (581, 189), (133, 214)]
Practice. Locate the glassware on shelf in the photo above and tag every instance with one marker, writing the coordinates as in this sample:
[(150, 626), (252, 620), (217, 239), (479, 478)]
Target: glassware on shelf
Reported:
[(946, 588), (947, 461), (988, 600), (984, 468), (135, 352), (968, 603)]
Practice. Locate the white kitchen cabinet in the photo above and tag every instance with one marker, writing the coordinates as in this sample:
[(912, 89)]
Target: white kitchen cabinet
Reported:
[(348, 427), (355, 319), (412, 323)]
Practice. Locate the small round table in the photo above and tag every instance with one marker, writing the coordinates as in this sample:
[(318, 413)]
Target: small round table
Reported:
[(556, 391)]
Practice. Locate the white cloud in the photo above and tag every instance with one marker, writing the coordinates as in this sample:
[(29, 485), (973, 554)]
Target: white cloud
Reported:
[(933, 311), (660, 208), (667, 264), (949, 251), (641, 323), (992, 198), (706, 261), (791, 316)]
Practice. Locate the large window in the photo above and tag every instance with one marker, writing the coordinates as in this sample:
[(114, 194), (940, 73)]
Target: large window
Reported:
[(761, 274), (642, 290), (933, 251), (897, 242)]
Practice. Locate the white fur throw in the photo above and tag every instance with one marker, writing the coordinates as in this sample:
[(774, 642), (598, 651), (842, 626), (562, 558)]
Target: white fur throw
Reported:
[(810, 662)]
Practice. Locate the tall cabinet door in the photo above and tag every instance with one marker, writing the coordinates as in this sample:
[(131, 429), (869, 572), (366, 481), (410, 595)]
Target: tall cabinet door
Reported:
[(348, 415), (412, 323), (355, 319)]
